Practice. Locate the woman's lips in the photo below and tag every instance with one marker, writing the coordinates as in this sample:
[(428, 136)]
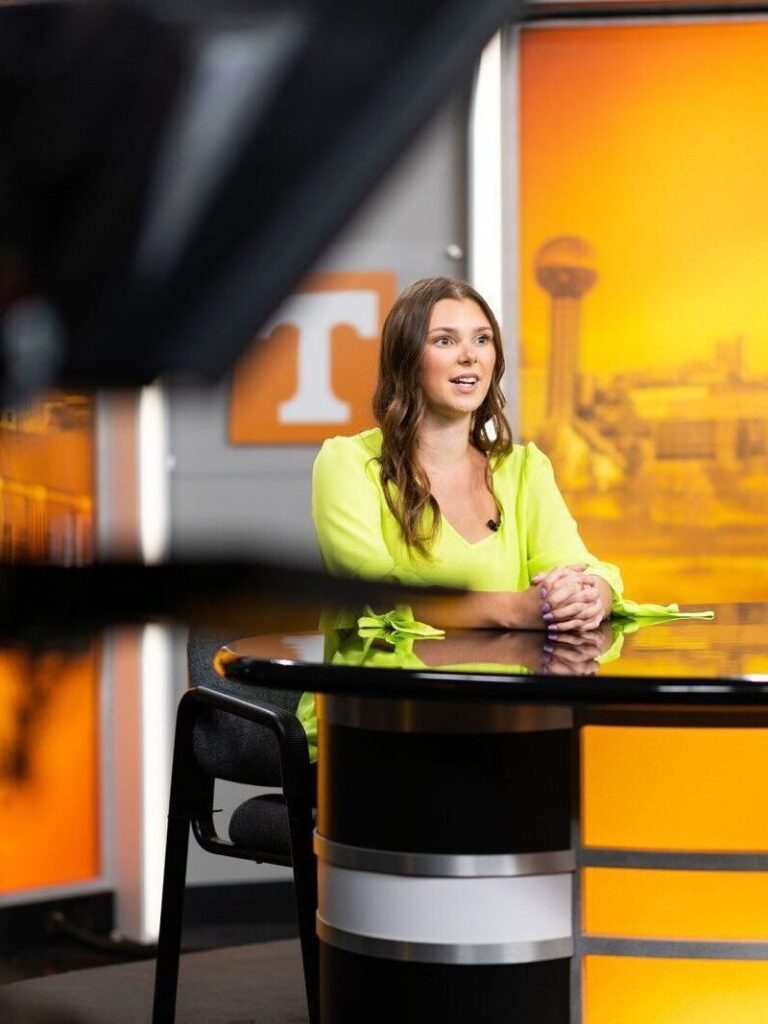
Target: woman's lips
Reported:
[(466, 385)]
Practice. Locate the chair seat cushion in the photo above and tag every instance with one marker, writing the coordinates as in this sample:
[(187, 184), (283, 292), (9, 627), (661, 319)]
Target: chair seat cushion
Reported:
[(261, 824)]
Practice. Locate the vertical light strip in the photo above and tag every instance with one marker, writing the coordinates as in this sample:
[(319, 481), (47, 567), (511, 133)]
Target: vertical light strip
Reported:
[(156, 752), (493, 195), (153, 474), (485, 264), (510, 243), (156, 718)]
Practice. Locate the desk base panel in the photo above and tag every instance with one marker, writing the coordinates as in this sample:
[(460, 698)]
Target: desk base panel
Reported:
[(355, 988)]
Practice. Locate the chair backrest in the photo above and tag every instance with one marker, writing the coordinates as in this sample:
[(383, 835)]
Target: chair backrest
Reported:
[(225, 746)]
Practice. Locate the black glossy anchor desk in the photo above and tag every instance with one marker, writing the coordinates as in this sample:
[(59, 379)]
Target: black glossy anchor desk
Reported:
[(447, 832)]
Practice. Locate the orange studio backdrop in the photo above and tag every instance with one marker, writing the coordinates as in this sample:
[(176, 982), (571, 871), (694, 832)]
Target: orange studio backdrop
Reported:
[(313, 374), (49, 745), (49, 705), (644, 311)]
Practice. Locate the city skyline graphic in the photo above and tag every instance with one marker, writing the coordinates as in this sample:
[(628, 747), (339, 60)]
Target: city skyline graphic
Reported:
[(644, 315)]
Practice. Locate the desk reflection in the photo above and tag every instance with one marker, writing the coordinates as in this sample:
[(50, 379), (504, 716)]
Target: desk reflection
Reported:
[(733, 647)]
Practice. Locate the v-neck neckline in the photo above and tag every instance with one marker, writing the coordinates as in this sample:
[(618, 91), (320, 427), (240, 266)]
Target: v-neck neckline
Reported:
[(462, 538), (469, 543)]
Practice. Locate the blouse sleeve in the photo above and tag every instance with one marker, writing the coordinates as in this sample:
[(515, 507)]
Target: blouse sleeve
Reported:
[(552, 534), (346, 512)]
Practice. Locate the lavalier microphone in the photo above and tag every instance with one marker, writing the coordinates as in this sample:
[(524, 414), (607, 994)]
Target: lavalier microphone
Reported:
[(493, 524)]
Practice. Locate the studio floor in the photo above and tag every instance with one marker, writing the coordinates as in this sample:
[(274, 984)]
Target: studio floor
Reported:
[(254, 984)]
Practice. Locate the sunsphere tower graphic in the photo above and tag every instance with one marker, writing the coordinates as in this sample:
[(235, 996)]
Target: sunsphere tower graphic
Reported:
[(565, 270)]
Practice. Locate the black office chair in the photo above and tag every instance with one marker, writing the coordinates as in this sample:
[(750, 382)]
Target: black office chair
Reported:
[(242, 733)]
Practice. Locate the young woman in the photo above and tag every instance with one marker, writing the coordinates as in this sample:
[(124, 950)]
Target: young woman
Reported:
[(438, 493)]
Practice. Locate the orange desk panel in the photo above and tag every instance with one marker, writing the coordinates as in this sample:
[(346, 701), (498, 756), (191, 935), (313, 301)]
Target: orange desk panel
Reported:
[(637, 990), (675, 788), (659, 904)]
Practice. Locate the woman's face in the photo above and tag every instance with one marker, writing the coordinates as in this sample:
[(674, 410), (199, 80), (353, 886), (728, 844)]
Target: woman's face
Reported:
[(458, 358)]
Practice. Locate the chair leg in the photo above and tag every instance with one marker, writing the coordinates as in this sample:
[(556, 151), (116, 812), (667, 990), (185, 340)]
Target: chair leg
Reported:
[(191, 794), (305, 883), (306, 905), (169, 939)]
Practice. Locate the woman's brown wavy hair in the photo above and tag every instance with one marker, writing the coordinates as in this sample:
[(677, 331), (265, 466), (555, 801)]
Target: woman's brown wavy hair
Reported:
[(398, 405)]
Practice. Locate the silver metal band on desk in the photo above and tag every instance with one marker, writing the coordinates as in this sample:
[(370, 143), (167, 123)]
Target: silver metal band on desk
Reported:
[(459, 954), (443, 865)]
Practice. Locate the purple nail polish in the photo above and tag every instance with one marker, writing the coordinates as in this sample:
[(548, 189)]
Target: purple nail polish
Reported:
[(543, 591), (552, 629), (548, 616), (546, 607), (548, 648)]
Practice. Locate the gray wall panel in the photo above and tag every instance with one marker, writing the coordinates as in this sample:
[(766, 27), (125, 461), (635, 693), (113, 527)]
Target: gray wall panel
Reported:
[(406, 226), (266, 512), (234, 500)]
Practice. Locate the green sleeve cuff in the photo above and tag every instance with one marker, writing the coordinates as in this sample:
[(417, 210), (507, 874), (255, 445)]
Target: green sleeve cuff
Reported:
[(305, 713)]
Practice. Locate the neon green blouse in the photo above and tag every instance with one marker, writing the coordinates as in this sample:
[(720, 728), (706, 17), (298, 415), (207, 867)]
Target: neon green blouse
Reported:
[(359, 536)]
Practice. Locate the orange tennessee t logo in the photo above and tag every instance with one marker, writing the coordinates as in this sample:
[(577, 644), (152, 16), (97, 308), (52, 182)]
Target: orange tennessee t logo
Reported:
[(313, 371)]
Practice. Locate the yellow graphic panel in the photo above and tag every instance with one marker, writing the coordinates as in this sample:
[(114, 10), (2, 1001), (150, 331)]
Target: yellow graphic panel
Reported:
[(675, 789), (659, 904), (314, 373), (644, 312), (630, 990)]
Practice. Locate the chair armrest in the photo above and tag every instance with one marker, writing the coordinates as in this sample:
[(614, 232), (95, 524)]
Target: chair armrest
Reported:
[(284, 725)]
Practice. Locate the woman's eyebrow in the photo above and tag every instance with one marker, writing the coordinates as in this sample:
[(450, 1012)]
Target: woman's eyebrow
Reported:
[(454, 330)]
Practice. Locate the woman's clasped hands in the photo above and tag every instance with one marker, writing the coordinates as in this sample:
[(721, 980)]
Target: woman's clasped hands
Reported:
[(571, 600)]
